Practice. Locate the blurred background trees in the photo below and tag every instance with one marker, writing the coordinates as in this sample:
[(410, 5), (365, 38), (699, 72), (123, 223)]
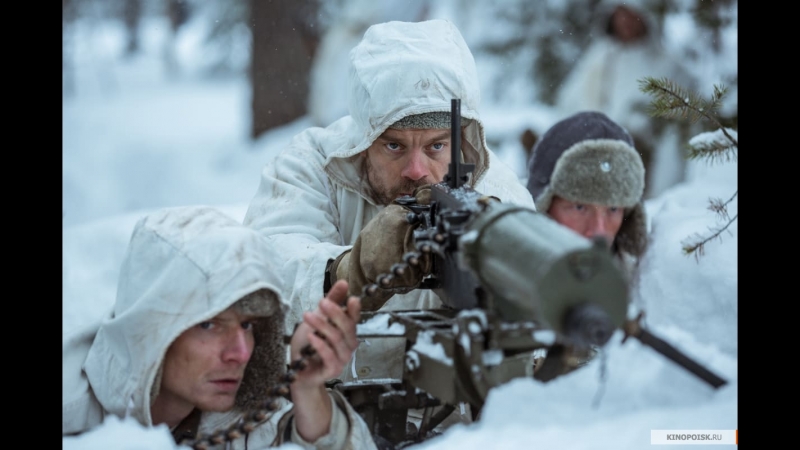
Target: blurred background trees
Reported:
[(285, 38), (575, 54), (549, 57)]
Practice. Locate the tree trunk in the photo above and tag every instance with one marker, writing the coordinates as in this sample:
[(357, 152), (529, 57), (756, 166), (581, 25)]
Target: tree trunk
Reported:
[(284, 40), (131, 16)]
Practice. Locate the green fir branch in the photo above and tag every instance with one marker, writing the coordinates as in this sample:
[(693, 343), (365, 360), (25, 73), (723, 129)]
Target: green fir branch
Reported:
[(714, 146), (672, 101), (697, 247), (721, 208)]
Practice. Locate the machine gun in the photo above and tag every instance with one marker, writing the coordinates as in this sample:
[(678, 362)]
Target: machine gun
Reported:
[(512, 281)]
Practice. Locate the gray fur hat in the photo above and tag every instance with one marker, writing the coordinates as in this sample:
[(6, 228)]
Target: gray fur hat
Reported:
[(589, 158), (425, 121), (268, 361)]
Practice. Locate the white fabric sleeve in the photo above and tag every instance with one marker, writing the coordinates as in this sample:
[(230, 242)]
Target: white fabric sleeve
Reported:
[(336, 437)]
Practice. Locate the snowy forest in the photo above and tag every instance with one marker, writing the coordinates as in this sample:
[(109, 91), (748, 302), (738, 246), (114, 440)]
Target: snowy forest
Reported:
[(548, 58)]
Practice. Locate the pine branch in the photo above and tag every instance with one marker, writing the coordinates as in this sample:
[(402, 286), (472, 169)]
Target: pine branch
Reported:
[(698, 246), (672, 101), (721, 208), (714, 146)]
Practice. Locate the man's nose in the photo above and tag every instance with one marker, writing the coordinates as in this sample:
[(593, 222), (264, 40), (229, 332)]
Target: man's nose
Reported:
[(238, 348), (599, 227), (415, 168)]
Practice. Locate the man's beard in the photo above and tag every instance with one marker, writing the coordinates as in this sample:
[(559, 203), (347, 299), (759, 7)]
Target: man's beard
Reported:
[(382, 192)]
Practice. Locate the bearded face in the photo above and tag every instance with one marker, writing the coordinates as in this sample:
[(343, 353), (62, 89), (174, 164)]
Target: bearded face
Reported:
[(401, 160)]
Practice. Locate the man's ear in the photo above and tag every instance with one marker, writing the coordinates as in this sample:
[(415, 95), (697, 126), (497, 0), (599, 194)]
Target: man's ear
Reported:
[(632, 236)]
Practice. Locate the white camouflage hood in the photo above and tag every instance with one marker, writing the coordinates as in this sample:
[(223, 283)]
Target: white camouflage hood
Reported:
[(183, 266), (401, 69)]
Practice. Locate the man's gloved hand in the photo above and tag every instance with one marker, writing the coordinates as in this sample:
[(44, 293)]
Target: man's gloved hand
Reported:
[(381, 244)]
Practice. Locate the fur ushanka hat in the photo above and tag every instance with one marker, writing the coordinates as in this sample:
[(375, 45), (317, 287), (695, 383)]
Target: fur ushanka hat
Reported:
[(588, 158)]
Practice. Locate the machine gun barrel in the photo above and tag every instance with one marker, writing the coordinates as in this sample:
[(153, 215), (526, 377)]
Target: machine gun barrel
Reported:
[(546, 274)]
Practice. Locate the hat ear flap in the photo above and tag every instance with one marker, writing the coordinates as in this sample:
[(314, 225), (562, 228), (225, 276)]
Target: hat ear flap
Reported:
[(632, 235), (544, 200), (267, 363)]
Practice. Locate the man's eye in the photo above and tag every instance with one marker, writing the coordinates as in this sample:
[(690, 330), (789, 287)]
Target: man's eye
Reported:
[(394, 146), (438, 146), (248, 325), (580, 207), (205, 325)]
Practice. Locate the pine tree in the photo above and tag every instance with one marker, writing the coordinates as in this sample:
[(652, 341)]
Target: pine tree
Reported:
[(671, 101)]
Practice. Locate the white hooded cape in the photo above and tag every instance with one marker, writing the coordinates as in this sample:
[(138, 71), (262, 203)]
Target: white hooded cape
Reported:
[(183, 266)]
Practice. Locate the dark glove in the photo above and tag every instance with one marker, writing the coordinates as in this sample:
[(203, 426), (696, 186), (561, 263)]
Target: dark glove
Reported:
[(382, 244)]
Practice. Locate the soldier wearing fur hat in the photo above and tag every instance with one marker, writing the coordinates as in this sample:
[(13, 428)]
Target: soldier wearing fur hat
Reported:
[(195, 341), (586, 174), (327, 199)]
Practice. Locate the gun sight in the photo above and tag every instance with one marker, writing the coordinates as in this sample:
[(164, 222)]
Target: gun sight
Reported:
[(458, 172)]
